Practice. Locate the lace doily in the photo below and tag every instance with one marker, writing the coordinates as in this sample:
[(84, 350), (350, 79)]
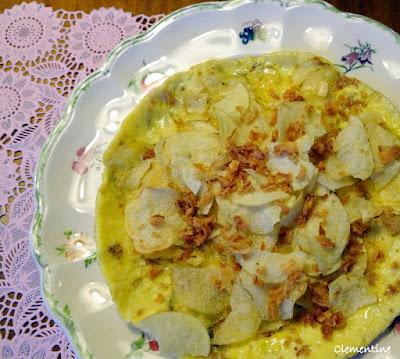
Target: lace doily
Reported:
[(44, 53)]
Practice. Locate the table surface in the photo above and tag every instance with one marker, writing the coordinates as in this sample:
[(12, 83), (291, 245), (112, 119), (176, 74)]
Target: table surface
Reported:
[(386, 11)]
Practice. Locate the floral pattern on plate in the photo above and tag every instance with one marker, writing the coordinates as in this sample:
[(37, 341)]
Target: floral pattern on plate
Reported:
[(78, 246), (140, 346), (360, 56), (253, 30), (88, 158)]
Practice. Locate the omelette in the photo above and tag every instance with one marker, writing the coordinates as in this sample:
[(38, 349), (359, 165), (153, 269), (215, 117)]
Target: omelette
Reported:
[(250, 208)]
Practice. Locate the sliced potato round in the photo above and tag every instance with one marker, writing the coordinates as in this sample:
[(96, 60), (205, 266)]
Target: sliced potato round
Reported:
[(302, 171), (295, 205), (185, 173), (258, 293), (287, 306), (197, 289), (350, 292), (253, 121), (177, 334), (298, 111), (334, 184), (202, 127), (384, 177), (304, 144), (242, 322), (134, 177), (260, 219), (256, 179), (265, 241), (314, 77), (378, 136), (335, 175), (261, 295), (147, 237), (234, 103), (258, 198), (360, 208), (330, 216), (334, 168), (179, 154), (272, 267), (354, 150), (229, 110)]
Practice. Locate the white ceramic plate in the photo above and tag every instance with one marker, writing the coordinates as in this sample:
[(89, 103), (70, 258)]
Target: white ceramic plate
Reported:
[(70, 167)]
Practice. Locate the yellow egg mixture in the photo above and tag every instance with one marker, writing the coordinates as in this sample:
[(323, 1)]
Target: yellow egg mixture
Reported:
[(249, 209)]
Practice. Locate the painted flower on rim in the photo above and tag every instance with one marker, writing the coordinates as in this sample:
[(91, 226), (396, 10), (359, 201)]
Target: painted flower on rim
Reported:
[(358, 57), (153, 345), (89, 158), (80, 165), (28, 31), (77, 246), (97, 33), (350, 58), (18, 100), (141, 345), (365, 56)]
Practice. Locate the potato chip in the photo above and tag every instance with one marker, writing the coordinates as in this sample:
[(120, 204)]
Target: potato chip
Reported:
[(197, 288), (202, 127), (252, 124), (151, 202), (329, 216), (334, 168), (185, 174), (177, 334), (360, 208), (200, 148), (256, 179), (272, 267), (134, 176), (334, 184), (234, 103), (258, 198), (314, 77), (261, 295), (258, 293), (302, 171), (304, 144), (354, 150), (298, 111), (350, 292), (377, 136), (180, 153), (229, 110), (266, 241), (295, 205), (287, 306), (384, 177), (259, 219), (242, 322)]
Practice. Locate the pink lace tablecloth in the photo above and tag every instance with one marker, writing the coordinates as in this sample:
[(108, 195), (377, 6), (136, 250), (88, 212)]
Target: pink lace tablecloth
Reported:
[(44, 54)]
